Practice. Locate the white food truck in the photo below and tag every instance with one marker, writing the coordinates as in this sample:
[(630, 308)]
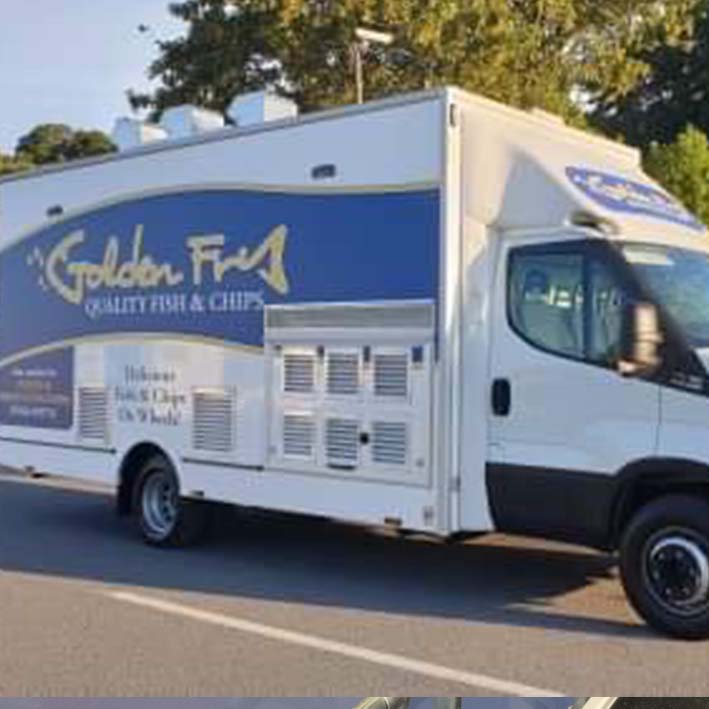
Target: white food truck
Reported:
[(433, 312)]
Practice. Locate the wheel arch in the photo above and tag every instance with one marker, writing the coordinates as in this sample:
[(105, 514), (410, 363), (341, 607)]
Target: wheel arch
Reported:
[(131, 464), (649, 478)]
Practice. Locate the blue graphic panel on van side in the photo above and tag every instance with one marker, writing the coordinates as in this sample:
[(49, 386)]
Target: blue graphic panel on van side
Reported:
[(205, 263), (38, 391), (622, 195)]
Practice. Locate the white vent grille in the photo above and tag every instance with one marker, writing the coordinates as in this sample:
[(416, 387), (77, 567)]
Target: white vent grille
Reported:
[(298, 372), (298, 436), (342, 373), (390, 443), (347, 400), (391, 375), (342, 441), (93, 413), (213, 421)]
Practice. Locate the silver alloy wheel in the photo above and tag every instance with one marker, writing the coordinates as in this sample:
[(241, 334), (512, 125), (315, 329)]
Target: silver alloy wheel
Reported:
[(159, 503), (677, 571)]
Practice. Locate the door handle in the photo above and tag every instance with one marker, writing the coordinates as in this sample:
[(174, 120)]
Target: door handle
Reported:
[(501, 397)]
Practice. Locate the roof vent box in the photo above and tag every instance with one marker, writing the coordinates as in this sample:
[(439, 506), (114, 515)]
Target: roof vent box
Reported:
[(188, 121), (261, 107), (131, 133)]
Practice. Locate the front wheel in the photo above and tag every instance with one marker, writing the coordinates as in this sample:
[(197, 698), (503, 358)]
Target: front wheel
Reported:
[(164, 519), (664, 565)]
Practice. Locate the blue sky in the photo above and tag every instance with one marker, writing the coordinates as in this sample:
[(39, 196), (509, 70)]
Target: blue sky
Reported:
[(71, 61)]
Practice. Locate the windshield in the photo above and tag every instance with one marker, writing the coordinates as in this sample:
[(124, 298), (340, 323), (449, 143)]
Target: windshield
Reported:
[(679, 280)]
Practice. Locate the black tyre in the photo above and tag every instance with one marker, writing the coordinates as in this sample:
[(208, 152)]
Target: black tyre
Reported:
[(664, 565), (165, 519)]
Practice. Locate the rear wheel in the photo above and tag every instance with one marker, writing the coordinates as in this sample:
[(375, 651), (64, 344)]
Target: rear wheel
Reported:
[(165, 519), (664, 563)]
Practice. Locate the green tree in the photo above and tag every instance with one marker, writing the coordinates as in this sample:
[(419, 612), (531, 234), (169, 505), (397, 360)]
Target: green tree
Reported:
[(53, 142), (523, 52), (44, 144), (10, 164), (673, 93), (87, 144), (682, 167)]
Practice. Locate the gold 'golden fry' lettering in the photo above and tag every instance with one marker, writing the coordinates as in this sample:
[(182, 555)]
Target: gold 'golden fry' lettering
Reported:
[(73, 279), (208, 250)]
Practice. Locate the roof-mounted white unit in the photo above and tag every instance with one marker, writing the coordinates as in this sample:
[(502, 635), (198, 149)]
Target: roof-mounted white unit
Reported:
[(188, 121), (261, 107), (129, 133)]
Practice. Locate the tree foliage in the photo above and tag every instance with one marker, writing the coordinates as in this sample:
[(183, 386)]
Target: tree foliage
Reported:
[(523, 52), (683, 169), (10, 164), (53, 142), (88, 144), (673, 92)]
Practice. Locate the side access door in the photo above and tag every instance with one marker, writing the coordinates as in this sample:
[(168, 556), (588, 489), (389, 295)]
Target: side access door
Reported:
[(562, 420)]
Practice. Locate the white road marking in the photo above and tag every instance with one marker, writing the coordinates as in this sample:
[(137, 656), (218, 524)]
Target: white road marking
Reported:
[(386, 659)]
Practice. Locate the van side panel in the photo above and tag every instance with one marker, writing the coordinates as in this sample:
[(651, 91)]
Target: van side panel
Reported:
[(179, 303)]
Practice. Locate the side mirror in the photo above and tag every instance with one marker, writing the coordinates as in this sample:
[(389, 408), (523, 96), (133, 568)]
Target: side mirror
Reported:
[(640, 340)]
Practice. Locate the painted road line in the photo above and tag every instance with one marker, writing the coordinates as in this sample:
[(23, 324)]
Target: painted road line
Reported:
[(386, 659)]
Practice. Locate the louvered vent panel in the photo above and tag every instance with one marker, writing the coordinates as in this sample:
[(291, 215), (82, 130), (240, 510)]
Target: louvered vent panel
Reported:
[(342, 441), (417, 315), (299, 373), (298, 435), (342, 373), (213, 421), (391, 375), (390, 443), (93, 413)]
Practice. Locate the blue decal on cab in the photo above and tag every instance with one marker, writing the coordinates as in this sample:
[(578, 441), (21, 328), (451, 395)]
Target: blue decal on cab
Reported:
[(205, 263), (622, 195), (38, 391)]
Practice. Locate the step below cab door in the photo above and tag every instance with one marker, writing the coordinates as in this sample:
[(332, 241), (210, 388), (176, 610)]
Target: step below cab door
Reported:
[(562, 420)]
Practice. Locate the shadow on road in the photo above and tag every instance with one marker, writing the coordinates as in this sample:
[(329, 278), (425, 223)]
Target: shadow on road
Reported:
[(74, 534)]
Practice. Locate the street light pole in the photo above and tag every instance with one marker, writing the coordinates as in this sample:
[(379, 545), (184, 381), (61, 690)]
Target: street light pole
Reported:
[(364, 38), (359, 71)]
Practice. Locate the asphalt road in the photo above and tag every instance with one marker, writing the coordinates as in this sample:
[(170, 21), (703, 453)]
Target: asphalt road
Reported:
[(278, 606)]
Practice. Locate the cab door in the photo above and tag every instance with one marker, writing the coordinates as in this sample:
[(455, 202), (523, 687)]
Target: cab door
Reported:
[(562, 421)]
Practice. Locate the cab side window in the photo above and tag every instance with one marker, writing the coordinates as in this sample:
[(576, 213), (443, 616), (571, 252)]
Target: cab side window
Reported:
[(607, 301), (546, 300), (566, 302)]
